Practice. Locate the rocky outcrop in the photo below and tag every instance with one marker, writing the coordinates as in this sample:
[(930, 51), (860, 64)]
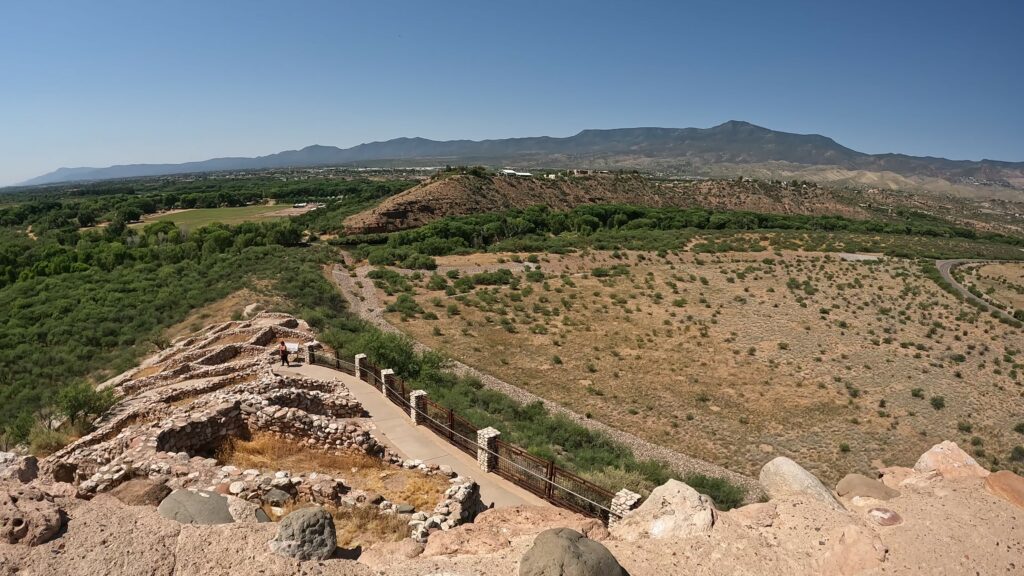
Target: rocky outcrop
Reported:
[(196, 507), (854, 485), (141, 492), (565, 552), (305, 534), (27, 515), (672, 511), (950, 462), (494, 529), (1007, 486), (17, 467), (783, 478), (854, 550)]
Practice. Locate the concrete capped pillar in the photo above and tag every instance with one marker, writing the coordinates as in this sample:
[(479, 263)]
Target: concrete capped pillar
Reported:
[(384, 374), (360, 358), (623, 502), (417, 406), (487, 448)]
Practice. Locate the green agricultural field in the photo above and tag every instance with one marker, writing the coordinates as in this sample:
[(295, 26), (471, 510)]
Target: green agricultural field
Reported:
[(198, 217)]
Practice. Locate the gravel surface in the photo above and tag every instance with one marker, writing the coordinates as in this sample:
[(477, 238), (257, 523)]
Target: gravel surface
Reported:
[(364, 302)]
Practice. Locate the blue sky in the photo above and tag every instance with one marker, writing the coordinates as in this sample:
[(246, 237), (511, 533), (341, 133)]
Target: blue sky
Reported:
[(85, 83)]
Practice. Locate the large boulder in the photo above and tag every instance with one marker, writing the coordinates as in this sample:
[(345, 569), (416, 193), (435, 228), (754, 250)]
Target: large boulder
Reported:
[(306, 534), (1006, 485), (21, 468), (196, 507), (565, 552), (141, 492), (673, 510), (950, 462), (853, 485), (245, 512), (493, 529), (27, 516), (783, 478)]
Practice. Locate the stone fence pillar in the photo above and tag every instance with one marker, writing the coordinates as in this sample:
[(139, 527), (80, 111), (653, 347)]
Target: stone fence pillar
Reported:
[(385, 373), (360, 358), (623, 502), (417, 404), (487, 446)]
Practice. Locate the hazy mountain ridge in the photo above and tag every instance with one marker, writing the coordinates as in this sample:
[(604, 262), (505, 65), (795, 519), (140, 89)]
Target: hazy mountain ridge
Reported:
[(733, 142)]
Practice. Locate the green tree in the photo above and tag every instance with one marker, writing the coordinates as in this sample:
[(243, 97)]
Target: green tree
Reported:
[(79, 401)]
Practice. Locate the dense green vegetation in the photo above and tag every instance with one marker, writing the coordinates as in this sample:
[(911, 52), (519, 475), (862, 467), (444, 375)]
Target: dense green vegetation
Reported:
[(82, 305), (538, 229)]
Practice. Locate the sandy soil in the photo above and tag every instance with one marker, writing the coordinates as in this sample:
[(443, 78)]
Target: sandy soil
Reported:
[(736, 358)]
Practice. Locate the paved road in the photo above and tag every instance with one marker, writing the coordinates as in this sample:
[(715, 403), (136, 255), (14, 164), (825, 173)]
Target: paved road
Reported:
[(395, 429), (946, 271)]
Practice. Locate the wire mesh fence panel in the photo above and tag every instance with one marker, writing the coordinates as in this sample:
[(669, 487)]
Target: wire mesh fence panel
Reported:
[(570, 491), (394, 393), (464, 437), (437, 419), (522, 468)]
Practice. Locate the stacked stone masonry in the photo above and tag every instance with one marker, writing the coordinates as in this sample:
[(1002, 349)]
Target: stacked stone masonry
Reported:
[(179, 408)]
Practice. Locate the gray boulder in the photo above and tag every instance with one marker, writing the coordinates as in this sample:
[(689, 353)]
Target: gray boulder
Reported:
[(565, 552), (783, 478), (306, 534), (276, 497), (198, 507), (21, 468), (673, 510)]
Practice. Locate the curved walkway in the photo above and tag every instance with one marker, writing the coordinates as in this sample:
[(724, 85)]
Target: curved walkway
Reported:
[(946, 271), (363, 301), (395, 429)]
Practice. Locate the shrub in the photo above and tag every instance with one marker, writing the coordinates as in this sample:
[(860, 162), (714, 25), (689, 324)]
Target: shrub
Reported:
[(917, 392), (42, 441), (725, 494), (938, 402), (844, 447)]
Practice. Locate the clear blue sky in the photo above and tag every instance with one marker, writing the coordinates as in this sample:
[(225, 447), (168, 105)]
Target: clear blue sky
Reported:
[(94, 83)]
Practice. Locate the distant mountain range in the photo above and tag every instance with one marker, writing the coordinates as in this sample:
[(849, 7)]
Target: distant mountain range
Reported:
[(734, 146)]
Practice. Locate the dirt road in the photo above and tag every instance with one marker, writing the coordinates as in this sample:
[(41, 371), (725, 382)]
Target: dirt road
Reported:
[(946, 271)]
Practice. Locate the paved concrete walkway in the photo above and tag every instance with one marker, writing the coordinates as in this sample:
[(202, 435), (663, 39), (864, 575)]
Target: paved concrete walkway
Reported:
[(395, 429)]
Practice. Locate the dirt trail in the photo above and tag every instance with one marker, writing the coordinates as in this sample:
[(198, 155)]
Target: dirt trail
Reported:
[(364, 302), (946, 271)]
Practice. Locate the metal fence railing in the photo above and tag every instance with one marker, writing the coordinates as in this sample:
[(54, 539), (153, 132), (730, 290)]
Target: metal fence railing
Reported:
[(537, 475)]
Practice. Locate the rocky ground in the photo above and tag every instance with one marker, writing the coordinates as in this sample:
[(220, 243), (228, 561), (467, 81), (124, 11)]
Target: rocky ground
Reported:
[(142, 495), (947, 515)]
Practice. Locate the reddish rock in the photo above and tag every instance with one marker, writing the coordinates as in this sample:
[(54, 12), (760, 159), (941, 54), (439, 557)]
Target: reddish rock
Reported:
[(950, 462), (141, 492), (1007, 486), (885, 517)]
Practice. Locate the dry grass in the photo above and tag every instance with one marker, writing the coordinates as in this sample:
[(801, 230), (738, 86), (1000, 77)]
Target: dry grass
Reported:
[(271, 453), (228, 308), (354, 525), (739, 357), (148, 371), (1002, 284)]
